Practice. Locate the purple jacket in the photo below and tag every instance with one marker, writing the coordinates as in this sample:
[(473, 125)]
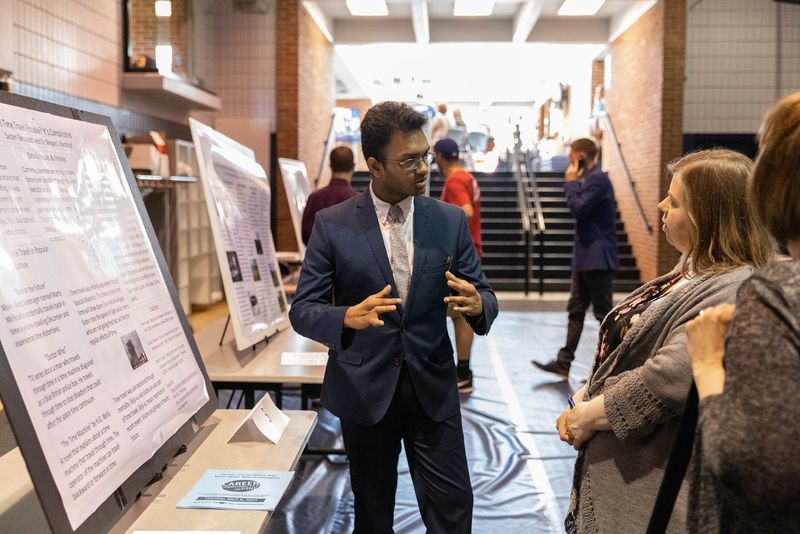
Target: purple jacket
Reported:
[(338, 190), (591, 202)]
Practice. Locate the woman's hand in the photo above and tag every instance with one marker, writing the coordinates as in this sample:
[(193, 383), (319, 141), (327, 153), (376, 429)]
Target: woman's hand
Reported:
[(706, 344), (561, 426), (580, 424)]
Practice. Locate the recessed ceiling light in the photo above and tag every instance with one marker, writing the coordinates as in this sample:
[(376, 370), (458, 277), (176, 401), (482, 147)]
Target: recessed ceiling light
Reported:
[(580, 8), (473, 8), (367, 8), (163, 8)]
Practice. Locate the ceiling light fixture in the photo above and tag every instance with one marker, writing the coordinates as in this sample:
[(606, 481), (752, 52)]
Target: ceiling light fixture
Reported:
[(367, 8), (580, 8), (473, 8), (163, 8)]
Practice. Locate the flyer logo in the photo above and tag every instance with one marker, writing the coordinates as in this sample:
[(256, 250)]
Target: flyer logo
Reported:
[(241, 485)]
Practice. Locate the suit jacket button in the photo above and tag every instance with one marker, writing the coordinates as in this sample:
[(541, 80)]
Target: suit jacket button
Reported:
[(402, 328), (397, 362)]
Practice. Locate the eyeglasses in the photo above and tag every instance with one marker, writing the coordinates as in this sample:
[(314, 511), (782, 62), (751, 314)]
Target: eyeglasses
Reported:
[(411, 164)]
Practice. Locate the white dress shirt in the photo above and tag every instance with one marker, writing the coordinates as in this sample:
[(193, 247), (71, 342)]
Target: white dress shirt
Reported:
[(382, 212)]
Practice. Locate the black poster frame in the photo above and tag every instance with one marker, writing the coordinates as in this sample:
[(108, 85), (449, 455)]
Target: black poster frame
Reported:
[(115, 506)]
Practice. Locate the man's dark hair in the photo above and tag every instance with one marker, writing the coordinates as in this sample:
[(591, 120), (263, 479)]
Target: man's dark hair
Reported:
[(584, 144), (382, 121), (341, 159)]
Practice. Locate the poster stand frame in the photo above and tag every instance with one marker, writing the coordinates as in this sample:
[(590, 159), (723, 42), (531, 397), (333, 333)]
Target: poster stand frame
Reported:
[(117, 503)]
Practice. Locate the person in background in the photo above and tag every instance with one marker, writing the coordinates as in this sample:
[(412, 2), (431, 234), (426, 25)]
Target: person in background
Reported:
[(374, 288), (745, 476), (440, 124), (458, 121), (595, 258), (460, 189), (625, 419), (338, 190)]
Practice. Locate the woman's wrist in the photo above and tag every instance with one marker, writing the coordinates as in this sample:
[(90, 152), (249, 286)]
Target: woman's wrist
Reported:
[(596, 412), (709, 379)]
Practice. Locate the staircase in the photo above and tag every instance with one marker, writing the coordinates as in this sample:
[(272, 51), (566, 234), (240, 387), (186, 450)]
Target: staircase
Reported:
[(504, 239)]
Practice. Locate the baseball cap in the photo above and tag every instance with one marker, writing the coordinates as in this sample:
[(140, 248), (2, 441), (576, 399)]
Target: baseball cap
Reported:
[(447, 148)]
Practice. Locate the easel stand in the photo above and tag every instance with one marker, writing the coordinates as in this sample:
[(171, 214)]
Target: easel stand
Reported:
[(253, 346)]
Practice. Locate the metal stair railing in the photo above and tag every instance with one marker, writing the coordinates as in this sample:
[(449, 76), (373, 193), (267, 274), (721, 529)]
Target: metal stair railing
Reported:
[(606, 118), (523, 186), (529, 178)]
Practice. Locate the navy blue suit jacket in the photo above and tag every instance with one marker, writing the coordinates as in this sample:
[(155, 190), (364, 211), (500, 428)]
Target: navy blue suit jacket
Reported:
[(591, 202), (346, 262)]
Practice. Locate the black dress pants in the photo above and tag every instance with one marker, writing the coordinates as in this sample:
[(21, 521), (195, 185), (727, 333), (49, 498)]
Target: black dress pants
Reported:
[(591, 287), (436, 458)]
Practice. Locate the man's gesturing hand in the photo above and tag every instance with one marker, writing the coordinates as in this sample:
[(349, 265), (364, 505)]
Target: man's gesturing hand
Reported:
[(367, 312), (468, 301)]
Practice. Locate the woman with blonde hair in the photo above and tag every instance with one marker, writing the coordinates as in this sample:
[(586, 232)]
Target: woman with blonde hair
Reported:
[(625, 418), (746, 476)]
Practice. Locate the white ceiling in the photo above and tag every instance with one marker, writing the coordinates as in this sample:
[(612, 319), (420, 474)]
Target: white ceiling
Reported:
[(397, 56), (499, 26)]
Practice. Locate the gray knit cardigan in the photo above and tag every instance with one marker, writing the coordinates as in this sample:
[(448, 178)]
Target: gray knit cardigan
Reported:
[(645, 381)]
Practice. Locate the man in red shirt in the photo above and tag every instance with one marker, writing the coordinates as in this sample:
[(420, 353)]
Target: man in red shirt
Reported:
[(461, 189)]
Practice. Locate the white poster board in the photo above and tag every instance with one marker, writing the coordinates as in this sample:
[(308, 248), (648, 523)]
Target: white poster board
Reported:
[(89, 327), (298, 188), (238, 199)]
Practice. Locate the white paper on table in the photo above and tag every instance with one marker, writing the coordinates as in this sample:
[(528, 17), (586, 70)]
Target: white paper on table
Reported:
[(187, 532), (265, 420), (304, 358), (220, 489)]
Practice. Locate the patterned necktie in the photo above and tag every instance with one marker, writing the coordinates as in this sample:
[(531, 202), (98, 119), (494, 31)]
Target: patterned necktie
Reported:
[(397, 245)]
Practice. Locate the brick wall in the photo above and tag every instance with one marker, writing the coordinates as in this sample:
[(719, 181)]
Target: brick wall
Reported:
[(362, 105), (304, 99), (598, 75), (645, 102), (147, 30)]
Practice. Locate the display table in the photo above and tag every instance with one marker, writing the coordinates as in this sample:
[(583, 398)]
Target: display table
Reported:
[(155, 510), (258, 368)]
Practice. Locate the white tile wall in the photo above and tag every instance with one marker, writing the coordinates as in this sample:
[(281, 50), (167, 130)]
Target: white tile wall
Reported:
[(738, 62), (71, 46), (242, 61)]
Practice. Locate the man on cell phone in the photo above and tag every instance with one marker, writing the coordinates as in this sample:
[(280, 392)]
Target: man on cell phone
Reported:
[(590, 198)]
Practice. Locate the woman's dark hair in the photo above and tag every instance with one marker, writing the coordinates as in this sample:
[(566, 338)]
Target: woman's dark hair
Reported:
[(382, 121)]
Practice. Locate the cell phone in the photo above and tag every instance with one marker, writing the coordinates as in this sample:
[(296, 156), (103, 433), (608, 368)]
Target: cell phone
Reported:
[(454, 273), (581, 164)]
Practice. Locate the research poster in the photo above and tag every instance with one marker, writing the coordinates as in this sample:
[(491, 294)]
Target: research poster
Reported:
[(298, 189), (87, 323), (238, 199)]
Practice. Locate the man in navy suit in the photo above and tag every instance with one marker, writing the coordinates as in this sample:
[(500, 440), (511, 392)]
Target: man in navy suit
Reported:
[(590, 198), (379, 272)]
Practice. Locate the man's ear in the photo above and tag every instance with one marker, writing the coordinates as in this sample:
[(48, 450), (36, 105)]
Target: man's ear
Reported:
[(374, 166)]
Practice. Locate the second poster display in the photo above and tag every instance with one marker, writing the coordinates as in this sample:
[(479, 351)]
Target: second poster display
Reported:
[(238, 198)]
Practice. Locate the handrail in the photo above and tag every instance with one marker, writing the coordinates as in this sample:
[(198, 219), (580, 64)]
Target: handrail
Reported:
[(615, 141), (537, 202), (530, 181), (522, 205)]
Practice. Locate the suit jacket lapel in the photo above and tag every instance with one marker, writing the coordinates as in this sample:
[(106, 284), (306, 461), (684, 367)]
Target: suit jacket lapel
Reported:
[(369, 221), (422, 227)]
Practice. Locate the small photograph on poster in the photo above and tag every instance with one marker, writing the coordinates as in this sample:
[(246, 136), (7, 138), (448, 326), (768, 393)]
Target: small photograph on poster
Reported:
[(254, 307), (282, 303), (233, 265), (134, 349), (254, 270), (259, 247), (275, 279)]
